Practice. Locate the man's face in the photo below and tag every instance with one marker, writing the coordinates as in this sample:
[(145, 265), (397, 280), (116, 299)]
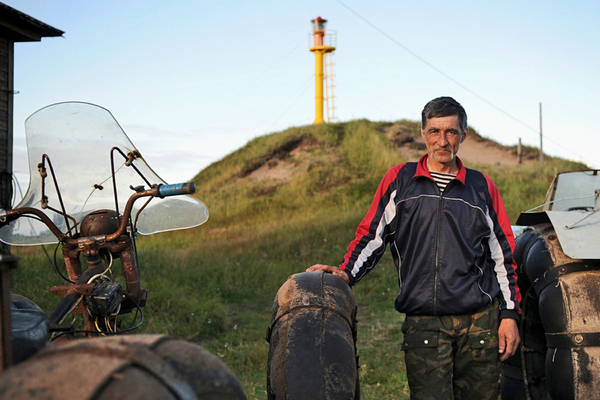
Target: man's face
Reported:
[(443, 136)]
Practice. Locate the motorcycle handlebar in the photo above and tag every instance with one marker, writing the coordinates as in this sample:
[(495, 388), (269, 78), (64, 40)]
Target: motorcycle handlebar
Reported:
[(157, 191), (161, 191), (176, 189)]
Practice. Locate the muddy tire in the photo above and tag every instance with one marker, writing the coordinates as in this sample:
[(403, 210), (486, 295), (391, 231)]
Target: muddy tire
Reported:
[(561, 321), (312, 353), (124, 367)]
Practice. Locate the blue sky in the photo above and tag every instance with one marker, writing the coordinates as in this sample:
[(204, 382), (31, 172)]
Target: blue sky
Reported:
[(192, 81)]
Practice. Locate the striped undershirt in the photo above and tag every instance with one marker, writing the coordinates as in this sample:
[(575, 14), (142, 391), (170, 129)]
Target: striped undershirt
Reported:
[(442, 180)]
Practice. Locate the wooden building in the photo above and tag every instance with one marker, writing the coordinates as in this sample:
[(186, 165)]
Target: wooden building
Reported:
[(15, 26)]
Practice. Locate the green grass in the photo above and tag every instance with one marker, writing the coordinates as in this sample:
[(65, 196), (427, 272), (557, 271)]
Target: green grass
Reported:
[(215, 284)]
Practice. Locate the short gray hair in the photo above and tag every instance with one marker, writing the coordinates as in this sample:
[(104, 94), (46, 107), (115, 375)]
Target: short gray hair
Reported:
[(444, 107)]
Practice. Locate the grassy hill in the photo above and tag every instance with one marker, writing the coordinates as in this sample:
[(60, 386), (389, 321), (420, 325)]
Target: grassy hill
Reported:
[(279, 204)]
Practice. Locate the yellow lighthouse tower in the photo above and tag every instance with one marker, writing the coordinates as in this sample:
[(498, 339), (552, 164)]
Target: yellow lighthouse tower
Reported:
[(320, 46)]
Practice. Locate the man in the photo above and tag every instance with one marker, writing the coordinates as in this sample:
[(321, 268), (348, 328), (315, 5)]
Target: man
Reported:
[(452, 244)]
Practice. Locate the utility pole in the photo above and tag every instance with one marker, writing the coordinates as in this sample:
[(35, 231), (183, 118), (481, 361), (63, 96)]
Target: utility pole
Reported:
[(541, 137)]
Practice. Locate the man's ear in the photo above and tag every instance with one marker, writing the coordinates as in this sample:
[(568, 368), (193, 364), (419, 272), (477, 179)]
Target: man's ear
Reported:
[(464, 135)]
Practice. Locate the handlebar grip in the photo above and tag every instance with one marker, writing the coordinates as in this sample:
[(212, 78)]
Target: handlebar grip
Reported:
[(176, 189)]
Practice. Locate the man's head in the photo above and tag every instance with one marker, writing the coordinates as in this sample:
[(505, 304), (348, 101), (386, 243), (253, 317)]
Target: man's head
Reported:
[(444, 107), (444, 128)]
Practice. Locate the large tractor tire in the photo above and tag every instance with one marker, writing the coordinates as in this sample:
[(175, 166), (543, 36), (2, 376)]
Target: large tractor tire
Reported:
[(123, 367), (312, 353), (563, 296)]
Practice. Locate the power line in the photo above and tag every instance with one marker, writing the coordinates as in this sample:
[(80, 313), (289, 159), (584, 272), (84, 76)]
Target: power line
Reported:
[(297, 94), (306, 87), (454, 80), (344, 86), (267, 73)]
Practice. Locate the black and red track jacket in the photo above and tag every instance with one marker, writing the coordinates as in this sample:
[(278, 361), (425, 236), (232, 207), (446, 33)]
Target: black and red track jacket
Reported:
[(453, 250)]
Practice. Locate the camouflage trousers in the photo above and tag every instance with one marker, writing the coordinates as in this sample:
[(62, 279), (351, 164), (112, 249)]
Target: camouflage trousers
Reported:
[(454, 356)]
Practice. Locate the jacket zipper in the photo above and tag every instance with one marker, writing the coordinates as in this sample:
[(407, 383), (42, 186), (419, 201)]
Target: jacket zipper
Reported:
[(437, 252)]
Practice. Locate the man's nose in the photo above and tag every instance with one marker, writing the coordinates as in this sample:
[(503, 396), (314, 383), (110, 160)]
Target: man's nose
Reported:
[(442, 139)]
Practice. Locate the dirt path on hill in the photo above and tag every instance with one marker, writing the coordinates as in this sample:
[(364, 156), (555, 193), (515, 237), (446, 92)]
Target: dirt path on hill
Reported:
[(474, 150), (479, 152)]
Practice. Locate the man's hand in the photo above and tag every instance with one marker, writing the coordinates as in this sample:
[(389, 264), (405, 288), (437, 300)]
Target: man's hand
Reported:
[(508, 334), (329, 269)]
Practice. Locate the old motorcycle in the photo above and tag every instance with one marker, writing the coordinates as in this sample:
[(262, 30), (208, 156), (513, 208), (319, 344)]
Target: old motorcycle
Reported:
[(92, 192)]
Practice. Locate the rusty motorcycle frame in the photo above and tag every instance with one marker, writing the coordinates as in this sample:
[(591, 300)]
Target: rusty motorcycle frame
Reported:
[(81, 164)]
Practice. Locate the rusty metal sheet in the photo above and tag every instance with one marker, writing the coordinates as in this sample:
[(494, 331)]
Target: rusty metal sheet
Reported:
[(62, 290), (578, 233)]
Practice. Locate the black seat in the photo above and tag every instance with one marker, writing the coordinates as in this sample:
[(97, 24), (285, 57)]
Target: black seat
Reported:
[(30, 328)]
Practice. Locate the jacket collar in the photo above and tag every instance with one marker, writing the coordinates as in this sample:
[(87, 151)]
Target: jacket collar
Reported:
[(423, 171)]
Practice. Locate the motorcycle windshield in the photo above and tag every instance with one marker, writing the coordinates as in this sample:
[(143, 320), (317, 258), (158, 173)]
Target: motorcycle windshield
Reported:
[(75, 143)]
